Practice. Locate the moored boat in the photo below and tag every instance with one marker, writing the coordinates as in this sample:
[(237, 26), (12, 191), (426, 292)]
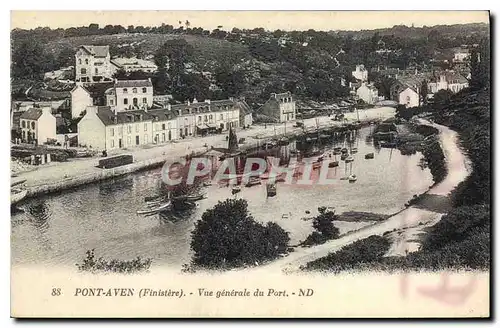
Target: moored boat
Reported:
[(349, 159), (155, 209), (271, 190), (333, 164), (353, 178), (369, 156), (235, 190), (17, 195)]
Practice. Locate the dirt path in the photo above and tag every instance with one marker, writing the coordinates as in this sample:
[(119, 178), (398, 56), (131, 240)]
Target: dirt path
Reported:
[(409, 219)]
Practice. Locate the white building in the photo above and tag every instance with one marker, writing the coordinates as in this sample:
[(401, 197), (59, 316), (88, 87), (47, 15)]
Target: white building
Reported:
[(368, 93), (361, 73), (38, 124), (80, 100), (410, 97), (92, 64), (461, 56), (448, 81), (107, 128), (103, 128), (281, 107), (130, 95), (134, 65)]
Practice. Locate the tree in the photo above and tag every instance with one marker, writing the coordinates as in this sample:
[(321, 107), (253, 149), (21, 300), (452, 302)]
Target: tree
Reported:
[(66, 57), (30, 60), (424, 90), (232, 82), (227, 237), (324, 228)]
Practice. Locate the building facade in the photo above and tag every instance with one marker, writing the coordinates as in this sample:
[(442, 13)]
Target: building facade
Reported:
[(92, 64), (108, 128), (130, 95), (409, 97), (133, 65), (361, 73), (448, 81), (281, 107), (38, 125), (80, 100), (368, 93)]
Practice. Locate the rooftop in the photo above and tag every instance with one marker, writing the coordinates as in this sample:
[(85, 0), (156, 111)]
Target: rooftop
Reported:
[(97, 51), (133, 83), (32, 114)]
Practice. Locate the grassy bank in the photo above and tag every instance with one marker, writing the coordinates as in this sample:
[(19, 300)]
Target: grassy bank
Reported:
[(461, 239)]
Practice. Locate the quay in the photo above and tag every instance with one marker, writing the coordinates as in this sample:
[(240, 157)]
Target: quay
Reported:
[(58, 176)]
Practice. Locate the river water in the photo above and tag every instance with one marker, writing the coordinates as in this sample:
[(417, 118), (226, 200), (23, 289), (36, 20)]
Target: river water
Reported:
[(57, 229)]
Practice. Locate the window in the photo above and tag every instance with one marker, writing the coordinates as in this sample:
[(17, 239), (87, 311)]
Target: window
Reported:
[(83, 71), (86, 61), (144, 100), (134, 90), (144, 90), (210, 117), (221, 116), (137, 128), (23, 123), (33, 125), (125, 90), (199, 119), (111, 102), (163, 126), (112, 132), (112, 143), (129, 129), (79, 61), (145, 126), (125, 101), (205, 118), (135, 101), (96, 71)]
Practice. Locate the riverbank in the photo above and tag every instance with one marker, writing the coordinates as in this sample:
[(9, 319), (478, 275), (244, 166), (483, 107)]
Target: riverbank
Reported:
[(412, 218), (58, 176)]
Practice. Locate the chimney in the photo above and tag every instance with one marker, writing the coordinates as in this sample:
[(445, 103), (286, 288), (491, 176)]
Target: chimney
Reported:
[(169, 107), (195, 101), (188, 102), (273, 95), (231, 98), (140, 117), (207, 101), (179, 111)]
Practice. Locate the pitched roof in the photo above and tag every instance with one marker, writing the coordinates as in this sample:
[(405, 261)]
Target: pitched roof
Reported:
[(203, 107), (97, 89), (133, 83), (107, 116), (97, 51), (32, 114), (244, 108)]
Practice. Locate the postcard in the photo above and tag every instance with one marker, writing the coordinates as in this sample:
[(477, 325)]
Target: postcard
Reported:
[(245, 164)]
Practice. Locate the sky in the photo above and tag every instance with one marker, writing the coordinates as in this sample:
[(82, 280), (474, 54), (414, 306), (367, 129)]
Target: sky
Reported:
[(270, 20)]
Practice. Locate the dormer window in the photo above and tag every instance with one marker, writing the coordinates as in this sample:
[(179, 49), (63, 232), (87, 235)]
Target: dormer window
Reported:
[(134, 90), (80, 61), (86, 61), (125, 90)]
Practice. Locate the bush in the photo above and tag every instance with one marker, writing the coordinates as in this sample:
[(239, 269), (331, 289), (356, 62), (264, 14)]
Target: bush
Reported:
[(363, 251), (227, 237), (325, 230), (91, 264)]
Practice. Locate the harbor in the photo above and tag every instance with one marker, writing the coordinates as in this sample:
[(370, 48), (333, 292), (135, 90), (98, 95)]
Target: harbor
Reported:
[(46, 230)]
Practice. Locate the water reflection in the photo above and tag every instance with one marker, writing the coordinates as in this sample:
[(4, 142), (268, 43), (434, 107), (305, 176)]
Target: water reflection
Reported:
[(60, 228)]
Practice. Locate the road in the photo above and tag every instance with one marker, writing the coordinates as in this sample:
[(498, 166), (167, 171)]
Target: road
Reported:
[(409, 218), (57, 171)]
